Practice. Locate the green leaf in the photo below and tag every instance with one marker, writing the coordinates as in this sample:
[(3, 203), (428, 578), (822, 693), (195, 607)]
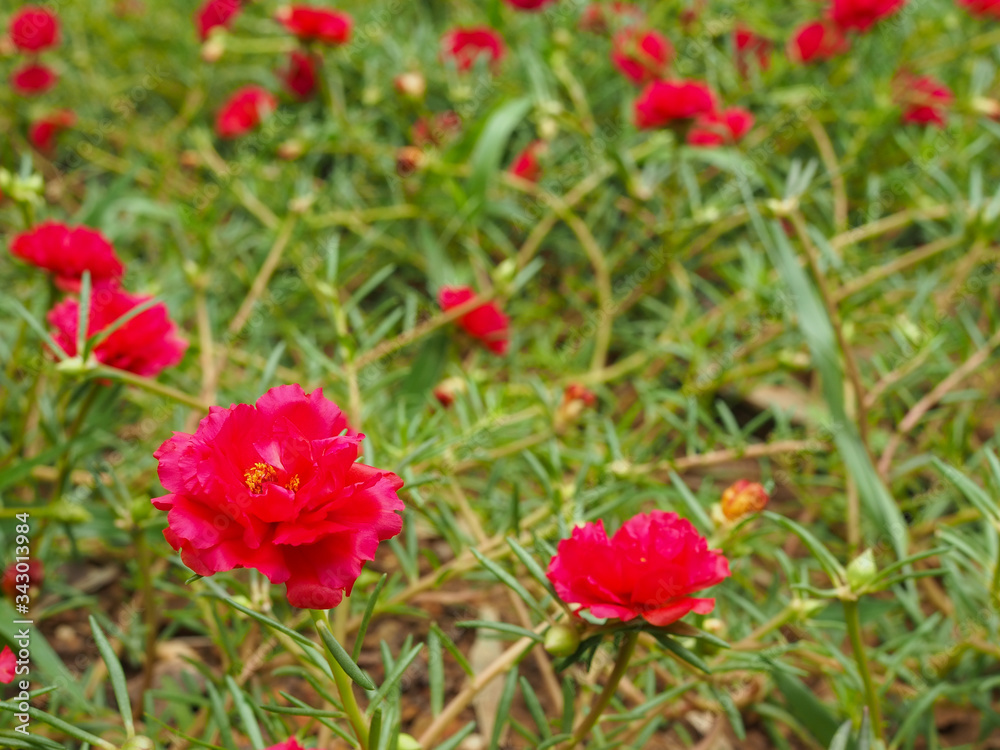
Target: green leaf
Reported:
[(456, 739), (808, 709), (435, 671), (531, 564), (682, 653), (503, 627), (503, 707), (246, 714), (829, 563), (509, 580), (732, 712), (453, 650), (842, 737), (375, 729), (972, 491), (116, 674), (485, 160), (359, 639), (396, 674), (535, 708), (342, 657), (60, 725), (693, 506)]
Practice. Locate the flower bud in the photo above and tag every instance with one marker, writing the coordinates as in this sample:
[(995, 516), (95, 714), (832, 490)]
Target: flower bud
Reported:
[(215, 46), (409, 159), (448, 389), (290, 150), (862, 571), (411, 85), (407, 742), (139, 743), (561, 640), (576, 399), (742, 498), (984, 106)]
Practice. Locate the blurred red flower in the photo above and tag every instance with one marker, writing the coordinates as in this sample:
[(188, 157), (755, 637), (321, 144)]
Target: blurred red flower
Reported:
[(526, 164), (861, 15), (982, 7), (290, 744), (486, 322), (32, 79), (244, 110), (33, 29), (649, 569), (316, 24), (749, 45), (720, 128), (67, 253), (216, 13), (641, 55), (43, 132), (528, 4), (819, 40), (661, 103), (300, 75), (465, 46), (274, 486), (442, 127), (8, 665), (595, 16), (145, 344), (33, 577), (925, 100)]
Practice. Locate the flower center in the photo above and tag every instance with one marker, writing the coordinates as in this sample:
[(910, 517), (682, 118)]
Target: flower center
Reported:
[(260, 472)]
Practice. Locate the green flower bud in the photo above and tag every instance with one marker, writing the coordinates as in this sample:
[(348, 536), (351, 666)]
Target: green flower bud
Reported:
[(407, 742), (862, 571), (561, 640), (139, 743)]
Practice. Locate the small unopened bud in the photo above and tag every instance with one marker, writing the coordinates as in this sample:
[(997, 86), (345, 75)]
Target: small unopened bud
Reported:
[(409, 159), (985, 106), (862, 571), (139, 743), (407, 742), (215, 46), (412, 85), (576, 399), (803, 609), (290, 150), (448, 389), (742, 498), (561, 640)]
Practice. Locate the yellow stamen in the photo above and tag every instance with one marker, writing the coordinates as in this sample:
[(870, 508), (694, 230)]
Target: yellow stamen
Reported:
[(293, 484), (257, 474)]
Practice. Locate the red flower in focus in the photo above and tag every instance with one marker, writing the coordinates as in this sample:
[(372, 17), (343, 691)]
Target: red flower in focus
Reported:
[(442, 127), (526, 164), (486, 322), (720, 128), (662, 103), (743, 497), (216, 13), (33, 79), (244, 110), (300, 75), (316, 24), (145, 345), (43, 133), (33, 29), (861, 15), (465, 46), (528, 4), (274, 486), (648, 569), (596, 20), (817, 41), (982, 7), (30, 578), (67, 253), (641, 55), (924, 99), (749, 45), (8, 665)]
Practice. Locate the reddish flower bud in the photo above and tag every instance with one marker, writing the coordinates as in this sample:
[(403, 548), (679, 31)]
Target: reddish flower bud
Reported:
[(43, 132), (33, 29), (817, 41), (743, 497), (925, 100), (316, 24), (861, 15), (487, 323), (409, 159), (641, 55), (33, 79), (531, 5), (442, 127), (216, 13), (526, 164), (720, 128), (30, 578), (983, 8), (299, 76), (8, 665), (664, 103), (749, 46), (464, 46), (244, 110)]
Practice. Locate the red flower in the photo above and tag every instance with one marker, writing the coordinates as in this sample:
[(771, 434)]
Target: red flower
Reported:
[(145, 345), (982, 7), (528, 4), (464, 46), (33, 79), (30, 578), (244, 110), (8, 665), (648, 569), (861, 15), (300, 75), (924, 99), (526, 164), (275, 486), (289, 744), (33, 29), (67, 253), (595, 16), (749, 45), (215, 13), (743, 497), (720, 128), (641, 55), (442, 127), (43, 133), (486, 322), (662, 103), (817, 41), (316, 24)]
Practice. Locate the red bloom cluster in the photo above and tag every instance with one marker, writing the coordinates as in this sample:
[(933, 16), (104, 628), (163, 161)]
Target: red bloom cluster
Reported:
[(244, 111), (67, 253), (8, 665), (650, 568), (32, 30), (861, 15), (526, 164), (487, 323), (984, 8), (662, 103), (43, 132), (216, 14), (311, 24), (528, 4), (925, 100), (720, 128), (33, 79), (826, 38), (641, 55), (750, 46), (464, 46), (274, 486), (300, 75)]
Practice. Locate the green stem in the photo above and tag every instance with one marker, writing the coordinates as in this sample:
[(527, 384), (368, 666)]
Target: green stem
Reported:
[(150, 385), (857, 645), (346, 689), (65, 464), (604, 699)]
